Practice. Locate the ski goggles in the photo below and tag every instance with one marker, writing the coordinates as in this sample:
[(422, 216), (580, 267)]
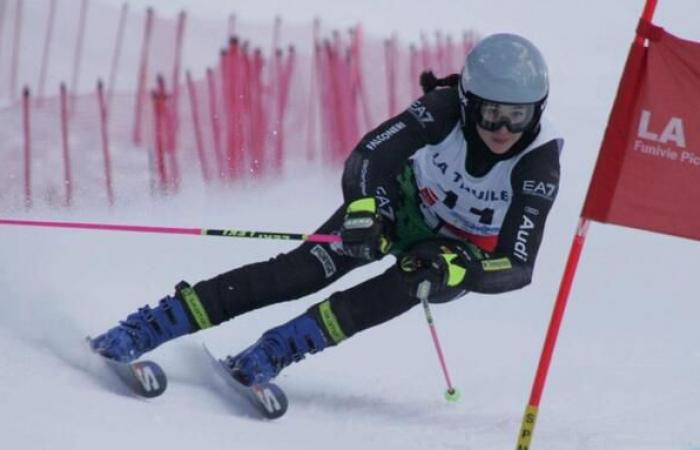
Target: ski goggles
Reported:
[(491, 116)]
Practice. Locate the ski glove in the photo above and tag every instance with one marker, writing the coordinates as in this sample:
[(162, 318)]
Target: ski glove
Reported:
[(442, 263), (364, 231)]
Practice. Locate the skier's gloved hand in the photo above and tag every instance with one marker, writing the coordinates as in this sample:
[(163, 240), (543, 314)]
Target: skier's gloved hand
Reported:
[(439, 263), (364, 232)]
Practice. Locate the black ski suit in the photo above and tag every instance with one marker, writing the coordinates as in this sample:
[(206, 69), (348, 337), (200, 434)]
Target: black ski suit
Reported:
[(383, 164)]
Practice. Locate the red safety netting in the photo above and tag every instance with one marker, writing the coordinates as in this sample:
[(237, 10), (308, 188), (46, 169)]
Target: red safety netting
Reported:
[(144, 110)]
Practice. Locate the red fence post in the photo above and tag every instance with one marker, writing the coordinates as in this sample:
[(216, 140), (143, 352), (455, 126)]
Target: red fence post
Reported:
[(451, 67), (358, 76), (142, 76), (286, 70), (104, 133), (15, 49), (337, 107), (414, 71), (168, 133), (440, 56), (390, 65), (26, 125), (177, 63), (225, 108), (231, 25), (3, 11), (234, 120), (67, 172), (46, 54), (116, 55), (215, 120), (196, 124), (247, 125), (78, 57), (159, 142), (328, 127), (313, 94)]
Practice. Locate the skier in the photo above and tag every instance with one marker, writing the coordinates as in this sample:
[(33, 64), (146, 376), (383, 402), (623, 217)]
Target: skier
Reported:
[(457, 188)]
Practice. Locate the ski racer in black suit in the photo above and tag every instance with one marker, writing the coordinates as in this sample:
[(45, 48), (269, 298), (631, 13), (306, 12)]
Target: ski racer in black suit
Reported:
[(457, 188)]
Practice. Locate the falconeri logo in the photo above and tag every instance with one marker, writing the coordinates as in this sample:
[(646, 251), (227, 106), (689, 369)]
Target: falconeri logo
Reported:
[(384, 136)]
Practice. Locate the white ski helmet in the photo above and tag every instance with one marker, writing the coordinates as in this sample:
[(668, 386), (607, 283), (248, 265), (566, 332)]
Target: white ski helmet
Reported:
[(504, 68)]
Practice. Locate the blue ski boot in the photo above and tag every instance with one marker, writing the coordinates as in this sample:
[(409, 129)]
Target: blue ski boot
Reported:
[(144, 330), (276, 349)]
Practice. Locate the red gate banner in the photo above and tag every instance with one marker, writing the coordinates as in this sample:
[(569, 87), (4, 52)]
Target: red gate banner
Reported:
[(648, 171)]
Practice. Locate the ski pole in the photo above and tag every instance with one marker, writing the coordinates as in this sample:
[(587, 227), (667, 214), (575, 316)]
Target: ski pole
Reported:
[(321, 238), (451, 394)]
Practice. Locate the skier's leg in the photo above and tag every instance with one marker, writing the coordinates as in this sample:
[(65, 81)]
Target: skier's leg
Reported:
[(288, 276), (325, 324)]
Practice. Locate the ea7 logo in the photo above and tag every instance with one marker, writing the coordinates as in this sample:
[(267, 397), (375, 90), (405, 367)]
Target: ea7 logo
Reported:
[(421, 113), (672, 132), (539, 188)]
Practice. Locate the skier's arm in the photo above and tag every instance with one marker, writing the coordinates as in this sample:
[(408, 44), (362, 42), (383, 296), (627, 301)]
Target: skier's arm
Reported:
[(535, 182), (454, 267), (382, 152)]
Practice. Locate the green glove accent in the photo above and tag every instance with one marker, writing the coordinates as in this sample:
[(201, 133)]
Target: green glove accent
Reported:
[(455, 273), (363, 231), (366, 204)]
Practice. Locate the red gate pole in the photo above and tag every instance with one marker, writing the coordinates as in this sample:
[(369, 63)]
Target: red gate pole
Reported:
[(530, 418), (46, 54), (528, 424), (118, 43), (104, 133), (143, 74), (15, 49), (67, 172), (77, 60), (26, 125)]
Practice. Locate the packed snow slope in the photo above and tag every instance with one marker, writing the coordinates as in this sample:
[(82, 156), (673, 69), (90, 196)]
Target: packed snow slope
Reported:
[(625, 372)]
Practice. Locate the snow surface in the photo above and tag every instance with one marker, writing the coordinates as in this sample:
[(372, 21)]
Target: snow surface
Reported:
[(625, 372)]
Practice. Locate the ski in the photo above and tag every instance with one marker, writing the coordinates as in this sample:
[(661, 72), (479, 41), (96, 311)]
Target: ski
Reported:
[(144, 378), (267, 399)]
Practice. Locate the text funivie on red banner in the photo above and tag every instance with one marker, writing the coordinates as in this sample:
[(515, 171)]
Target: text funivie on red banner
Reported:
[(648, 170)]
